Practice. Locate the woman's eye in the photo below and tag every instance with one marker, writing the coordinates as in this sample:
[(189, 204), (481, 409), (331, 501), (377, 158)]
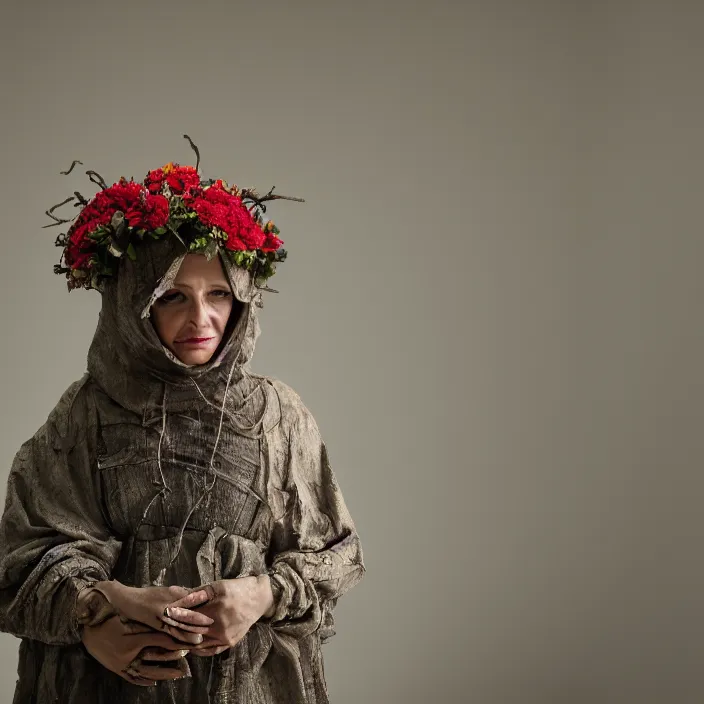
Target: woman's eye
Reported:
[(171, 297), (221, 294)]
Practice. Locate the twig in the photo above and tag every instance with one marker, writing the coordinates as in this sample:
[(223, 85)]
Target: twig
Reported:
[(70, 168), (270, 196), (57, 221), (195, 149), (96, 178)]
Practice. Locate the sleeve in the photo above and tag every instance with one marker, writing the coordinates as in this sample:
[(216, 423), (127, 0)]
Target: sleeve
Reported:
[(54, 539), (317, 554)]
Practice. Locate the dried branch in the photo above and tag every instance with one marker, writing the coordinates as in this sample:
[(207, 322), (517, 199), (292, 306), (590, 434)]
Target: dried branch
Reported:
[(57, 221), (270, 196), (258, 201), (70, 168), (195, 149), (96, 178)]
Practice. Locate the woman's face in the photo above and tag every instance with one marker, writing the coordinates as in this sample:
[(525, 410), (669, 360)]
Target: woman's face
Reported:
[(191, 317)]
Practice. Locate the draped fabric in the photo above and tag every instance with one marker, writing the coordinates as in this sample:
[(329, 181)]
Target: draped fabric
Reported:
[(152, 472)]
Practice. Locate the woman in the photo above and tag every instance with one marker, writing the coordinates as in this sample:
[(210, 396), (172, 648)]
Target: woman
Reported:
[(174, 532)]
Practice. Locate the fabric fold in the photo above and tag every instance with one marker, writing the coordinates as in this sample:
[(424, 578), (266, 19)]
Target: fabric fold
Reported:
[(153, 472)]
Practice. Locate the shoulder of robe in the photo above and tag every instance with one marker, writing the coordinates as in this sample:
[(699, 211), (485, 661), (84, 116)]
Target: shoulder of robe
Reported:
[(71, 417), (293, 411), (64, 429)]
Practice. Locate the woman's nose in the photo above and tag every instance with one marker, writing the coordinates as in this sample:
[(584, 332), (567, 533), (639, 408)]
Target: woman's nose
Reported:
[(199, 313)]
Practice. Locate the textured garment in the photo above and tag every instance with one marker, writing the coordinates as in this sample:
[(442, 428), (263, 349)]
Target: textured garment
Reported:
[(152, 472)]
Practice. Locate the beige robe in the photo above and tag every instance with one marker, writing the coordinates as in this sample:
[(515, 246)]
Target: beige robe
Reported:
[(151, 472)]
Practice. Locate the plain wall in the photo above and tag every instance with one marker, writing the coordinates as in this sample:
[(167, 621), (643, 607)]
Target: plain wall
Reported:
[(492, 304)]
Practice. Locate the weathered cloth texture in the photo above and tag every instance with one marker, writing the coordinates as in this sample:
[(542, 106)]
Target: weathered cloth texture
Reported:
[(152, 472)]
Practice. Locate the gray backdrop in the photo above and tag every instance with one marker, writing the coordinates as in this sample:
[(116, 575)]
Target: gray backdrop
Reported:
[(492, 304)]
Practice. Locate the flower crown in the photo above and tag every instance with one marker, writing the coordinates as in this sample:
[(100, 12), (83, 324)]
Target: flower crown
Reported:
[(205, 215)]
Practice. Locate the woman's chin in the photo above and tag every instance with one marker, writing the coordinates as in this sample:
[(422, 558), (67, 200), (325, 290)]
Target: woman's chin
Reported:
[(195, 357)]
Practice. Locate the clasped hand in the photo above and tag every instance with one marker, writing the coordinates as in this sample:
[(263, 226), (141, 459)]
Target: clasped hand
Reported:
[(126, 645), (233, 605)]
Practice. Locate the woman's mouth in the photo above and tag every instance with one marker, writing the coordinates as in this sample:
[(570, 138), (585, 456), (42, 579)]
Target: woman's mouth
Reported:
[(194, 341)]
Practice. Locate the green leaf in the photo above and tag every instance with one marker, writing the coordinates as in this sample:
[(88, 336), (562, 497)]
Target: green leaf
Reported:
[(211, 249), (160, 231), (130, 252), (198, 244)]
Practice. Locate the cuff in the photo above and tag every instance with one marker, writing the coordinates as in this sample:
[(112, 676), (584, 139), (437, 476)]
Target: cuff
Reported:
[(92, 605), (77, 585), (277, 591)]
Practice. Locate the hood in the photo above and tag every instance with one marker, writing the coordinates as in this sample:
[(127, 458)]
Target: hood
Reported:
[(132, 366)]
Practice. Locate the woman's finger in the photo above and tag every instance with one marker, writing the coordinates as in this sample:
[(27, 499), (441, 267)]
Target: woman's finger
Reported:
[(133, 677), (186, 619), (183, 636), (162, 655), (156, 672), (198, 597), (177, 592), (184, 626), (208, 642), (159, 640), (178, 634), (208, 652), (134, 627), (177, 615)]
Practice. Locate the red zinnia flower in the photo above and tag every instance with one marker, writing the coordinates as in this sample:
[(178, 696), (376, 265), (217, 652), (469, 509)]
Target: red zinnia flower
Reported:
[(217, 207), (272, 243), (154, 181), (235, 244), (80, 260), (142, 210), (150, 215), (181, 179)]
